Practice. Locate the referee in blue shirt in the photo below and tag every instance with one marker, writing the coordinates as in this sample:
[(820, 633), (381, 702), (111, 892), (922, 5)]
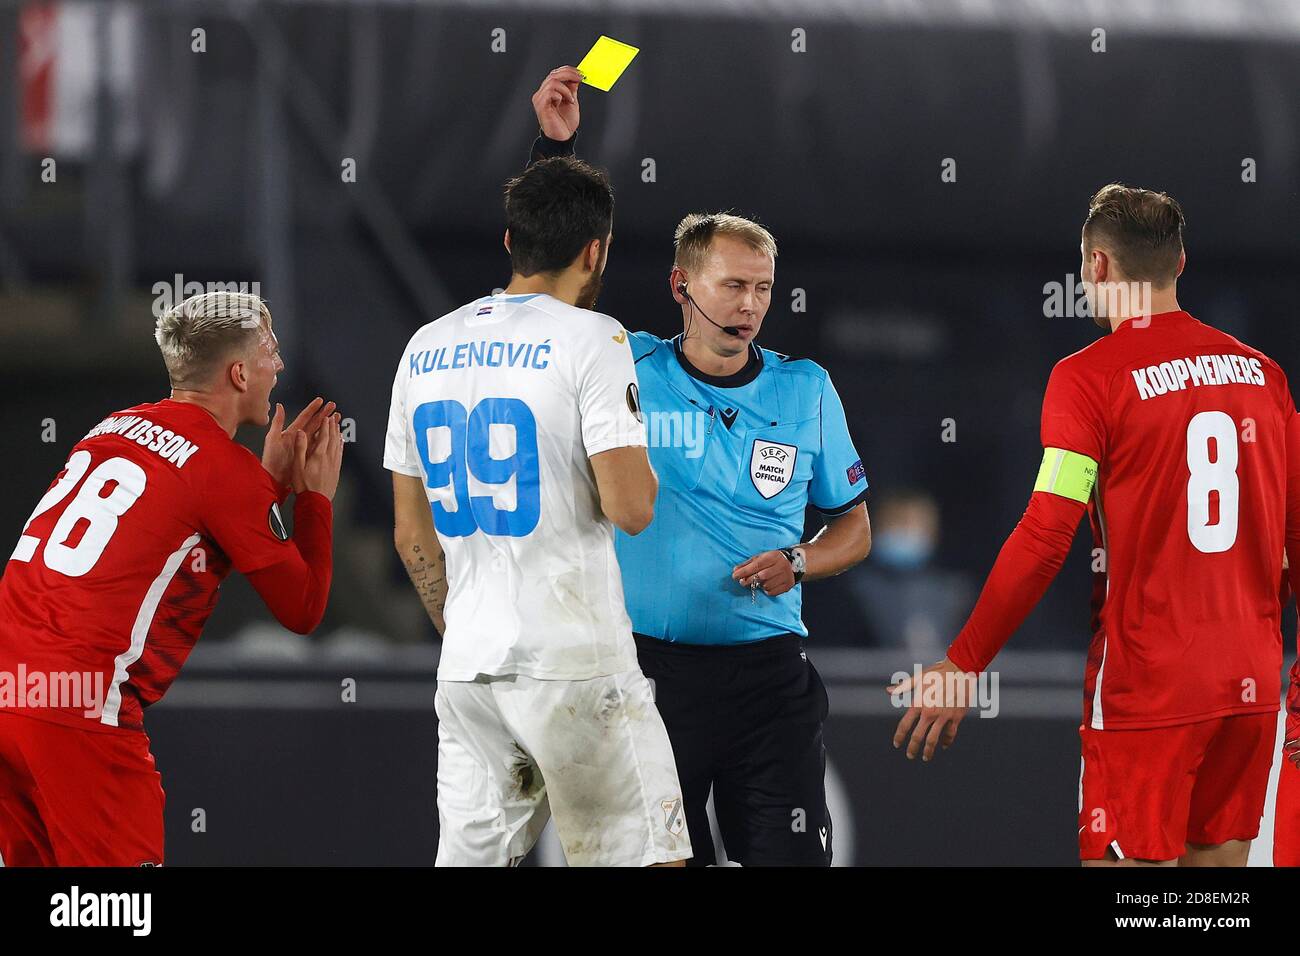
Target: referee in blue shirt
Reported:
[(743, 439)]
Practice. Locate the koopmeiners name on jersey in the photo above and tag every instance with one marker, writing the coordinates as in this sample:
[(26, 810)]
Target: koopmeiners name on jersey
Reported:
[(482, 353), (1175, 375)]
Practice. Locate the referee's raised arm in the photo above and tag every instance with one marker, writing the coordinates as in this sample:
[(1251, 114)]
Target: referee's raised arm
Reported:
[(556, 105)]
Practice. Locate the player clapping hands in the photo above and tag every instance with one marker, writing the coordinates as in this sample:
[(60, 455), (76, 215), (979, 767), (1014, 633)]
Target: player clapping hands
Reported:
[(317, 459), (278, 450)]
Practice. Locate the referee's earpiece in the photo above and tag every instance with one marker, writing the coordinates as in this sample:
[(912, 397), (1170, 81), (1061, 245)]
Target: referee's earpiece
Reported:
[(681, 289)]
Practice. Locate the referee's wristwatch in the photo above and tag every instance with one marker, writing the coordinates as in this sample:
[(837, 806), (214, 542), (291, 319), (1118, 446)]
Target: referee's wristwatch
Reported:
[(797, 560)]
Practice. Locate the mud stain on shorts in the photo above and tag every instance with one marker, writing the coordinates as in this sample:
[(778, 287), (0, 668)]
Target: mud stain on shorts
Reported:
[(524, 778)]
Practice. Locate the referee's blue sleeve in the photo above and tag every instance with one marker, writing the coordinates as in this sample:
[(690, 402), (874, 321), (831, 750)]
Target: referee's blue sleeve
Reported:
[(839, 482)]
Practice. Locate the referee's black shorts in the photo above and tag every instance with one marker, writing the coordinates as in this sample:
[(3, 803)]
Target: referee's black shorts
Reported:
[(746, 720)]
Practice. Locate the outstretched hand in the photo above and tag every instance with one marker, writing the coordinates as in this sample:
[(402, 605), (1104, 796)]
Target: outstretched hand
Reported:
[(937, 707)]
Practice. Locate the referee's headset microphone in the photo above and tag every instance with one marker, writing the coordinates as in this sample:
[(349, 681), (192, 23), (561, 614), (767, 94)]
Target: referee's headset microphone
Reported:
[(729, 329)]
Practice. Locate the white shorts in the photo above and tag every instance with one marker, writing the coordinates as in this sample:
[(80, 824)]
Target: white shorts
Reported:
[(514, 751)]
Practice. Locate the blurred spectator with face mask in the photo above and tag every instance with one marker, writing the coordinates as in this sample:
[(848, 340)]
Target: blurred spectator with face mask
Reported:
[(898, 595)]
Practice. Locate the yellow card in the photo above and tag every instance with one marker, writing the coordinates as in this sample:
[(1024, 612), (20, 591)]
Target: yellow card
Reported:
[(605, 63)]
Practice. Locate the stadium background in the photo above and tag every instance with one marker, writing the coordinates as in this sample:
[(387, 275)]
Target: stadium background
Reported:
[(829, 120)]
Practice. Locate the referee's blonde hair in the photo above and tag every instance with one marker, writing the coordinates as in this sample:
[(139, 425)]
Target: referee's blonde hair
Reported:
[(197, 335), (694, 237)]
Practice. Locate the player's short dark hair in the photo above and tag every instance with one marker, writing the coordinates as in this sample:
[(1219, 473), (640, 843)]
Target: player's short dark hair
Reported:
[(553, 209), (1141, 228)]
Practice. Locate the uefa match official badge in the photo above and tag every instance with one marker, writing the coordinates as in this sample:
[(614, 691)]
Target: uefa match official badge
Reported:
[(771, 466)]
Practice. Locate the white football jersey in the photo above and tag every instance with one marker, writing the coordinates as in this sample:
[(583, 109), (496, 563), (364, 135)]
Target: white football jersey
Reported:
[(497, 407)]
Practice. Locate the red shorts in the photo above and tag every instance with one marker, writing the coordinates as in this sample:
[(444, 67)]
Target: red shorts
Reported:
[(72, 797), (1147, 793), (1286, 815)]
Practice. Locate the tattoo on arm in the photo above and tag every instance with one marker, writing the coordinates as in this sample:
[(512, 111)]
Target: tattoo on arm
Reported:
[(429, 575)]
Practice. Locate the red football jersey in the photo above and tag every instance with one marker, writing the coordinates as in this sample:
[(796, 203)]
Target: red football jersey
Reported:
[(118, 567), (1293, 699), (1188, 426)]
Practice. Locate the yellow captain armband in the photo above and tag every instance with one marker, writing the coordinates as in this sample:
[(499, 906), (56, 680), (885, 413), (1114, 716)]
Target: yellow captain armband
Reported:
[(1066, 473)]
